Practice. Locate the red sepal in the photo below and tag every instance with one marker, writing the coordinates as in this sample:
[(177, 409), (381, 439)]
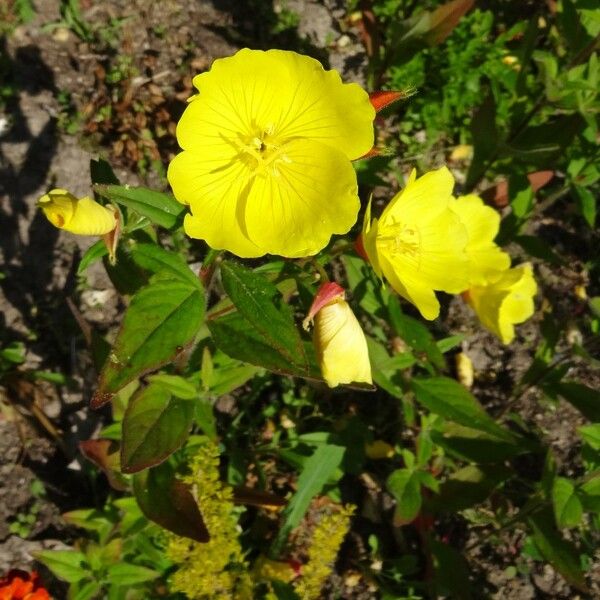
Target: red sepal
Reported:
[(328, 292), (382, 99)]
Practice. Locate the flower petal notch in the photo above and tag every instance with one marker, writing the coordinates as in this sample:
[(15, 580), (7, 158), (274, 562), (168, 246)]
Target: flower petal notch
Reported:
[(267, 150), (506, 302), (80, 216), (419, 243), (338, 337)]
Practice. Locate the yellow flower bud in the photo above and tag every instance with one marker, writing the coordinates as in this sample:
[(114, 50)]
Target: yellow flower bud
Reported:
[(339, 339), (81, 216), (379, 450)]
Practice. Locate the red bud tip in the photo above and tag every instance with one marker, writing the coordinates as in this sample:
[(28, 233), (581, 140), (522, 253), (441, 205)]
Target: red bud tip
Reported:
[(359, 247), (382, 99), (328, 292), (371, 153)]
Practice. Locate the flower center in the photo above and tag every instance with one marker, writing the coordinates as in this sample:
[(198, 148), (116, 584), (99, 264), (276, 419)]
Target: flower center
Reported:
[(263, 152), (401, 239)]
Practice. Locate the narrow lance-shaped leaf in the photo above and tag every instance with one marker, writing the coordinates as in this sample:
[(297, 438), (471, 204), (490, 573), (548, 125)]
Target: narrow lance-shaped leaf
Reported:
[(317, 470), (448, 398)]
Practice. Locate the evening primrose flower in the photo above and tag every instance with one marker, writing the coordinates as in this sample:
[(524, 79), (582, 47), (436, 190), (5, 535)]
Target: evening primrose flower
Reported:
[(418, 244), (506, 302), (267, 145), (486, 260), (82, 216), (338, 337)]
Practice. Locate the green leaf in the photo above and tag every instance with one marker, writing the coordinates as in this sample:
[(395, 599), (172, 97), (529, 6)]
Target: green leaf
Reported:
[(160, 208), (82, 590), (538, 248), (156, 423), (475, 446), (315, 474), (94, 253), (521, 195), (161, 320), (585, 399), (468, 486), (68, 565), (590, 434), (169, 502), (485, 139), (567, 506), (155, 259), (260, 303), (13, 353), (560, 553), (405, 486), (586, 201), (414, 333), (448, 398), (235, 336), (128, 574), (176, 385), (451, 573)]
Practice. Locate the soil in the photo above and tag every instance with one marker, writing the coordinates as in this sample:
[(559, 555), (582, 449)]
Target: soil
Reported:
[(62, 82)]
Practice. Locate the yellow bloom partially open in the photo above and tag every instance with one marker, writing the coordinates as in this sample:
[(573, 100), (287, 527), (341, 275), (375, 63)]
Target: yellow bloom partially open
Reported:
[(267, 145), (339, 339), (419, 243), (487, 261), (81, 216), (506, 302)]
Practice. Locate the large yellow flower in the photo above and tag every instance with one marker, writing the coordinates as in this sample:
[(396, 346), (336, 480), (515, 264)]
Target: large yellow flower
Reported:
[(81, 216), (267, 145), (487, 261), (419, 243), (506, 302)]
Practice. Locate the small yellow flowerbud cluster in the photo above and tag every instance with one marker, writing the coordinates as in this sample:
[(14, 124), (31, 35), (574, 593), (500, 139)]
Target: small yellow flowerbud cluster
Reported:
[(325, 544), (216, 569)]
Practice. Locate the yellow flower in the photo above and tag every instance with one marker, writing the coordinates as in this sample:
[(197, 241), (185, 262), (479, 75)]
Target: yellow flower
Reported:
[(83, 217), (506, 302), (267, 145), (418, 244), (487, 261), (338, 337)]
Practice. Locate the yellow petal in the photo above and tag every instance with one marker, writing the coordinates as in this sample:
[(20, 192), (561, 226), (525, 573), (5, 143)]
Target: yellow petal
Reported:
[(412, 289), (341, 345), (486, 260), (91, 218), (506, 302), (310, 193), (214, 187), (58, 205), (427, 195), (287, 93)]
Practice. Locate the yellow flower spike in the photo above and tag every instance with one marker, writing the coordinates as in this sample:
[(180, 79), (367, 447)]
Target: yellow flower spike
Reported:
[(487, 261), (418, 244), (506, 302), (338, 337), (267, 145), (82, 217)]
